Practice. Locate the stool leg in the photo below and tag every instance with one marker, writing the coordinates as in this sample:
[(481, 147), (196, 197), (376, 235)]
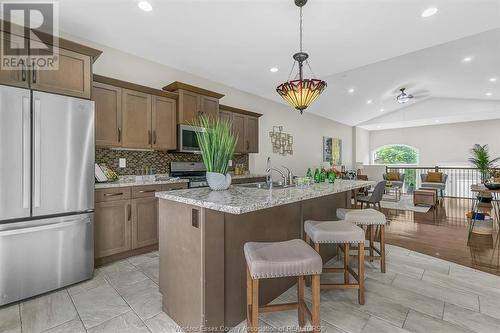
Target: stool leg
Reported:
[(346, 263), (316, 321), (382, 248), (249, 300), (361, 273), (300, 300), (371, 242)]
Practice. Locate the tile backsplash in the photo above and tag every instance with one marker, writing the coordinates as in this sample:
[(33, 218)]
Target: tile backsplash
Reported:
[(159, 161)]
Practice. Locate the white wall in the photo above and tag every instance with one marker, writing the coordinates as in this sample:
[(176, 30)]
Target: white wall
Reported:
[(308, 130), (442, 144), (362, 145)]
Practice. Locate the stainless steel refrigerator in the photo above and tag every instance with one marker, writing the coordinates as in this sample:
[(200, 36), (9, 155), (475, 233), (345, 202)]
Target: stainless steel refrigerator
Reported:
[(46, 192)]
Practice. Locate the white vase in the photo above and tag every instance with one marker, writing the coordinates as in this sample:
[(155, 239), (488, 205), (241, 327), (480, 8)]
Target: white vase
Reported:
[(218, 181)]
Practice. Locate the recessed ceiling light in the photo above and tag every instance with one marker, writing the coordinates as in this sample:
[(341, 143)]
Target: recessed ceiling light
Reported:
[(379, 126), (382, 110), (369, 101), (467, 59), (273, 69), (489, 94), (493, 79), (350, 91), (145, 6), (437, 121), (429, 12)]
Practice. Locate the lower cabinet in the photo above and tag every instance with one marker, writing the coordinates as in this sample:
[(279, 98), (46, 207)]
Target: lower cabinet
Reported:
[(126, 219), (113, 227), (144, 222)]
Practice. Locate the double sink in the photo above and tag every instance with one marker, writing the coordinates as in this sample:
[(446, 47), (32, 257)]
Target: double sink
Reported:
[(265, 186)]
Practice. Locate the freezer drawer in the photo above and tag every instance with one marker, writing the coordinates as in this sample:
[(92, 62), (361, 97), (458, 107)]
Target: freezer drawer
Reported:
[(63, 154), (42, 255), (15, 150)]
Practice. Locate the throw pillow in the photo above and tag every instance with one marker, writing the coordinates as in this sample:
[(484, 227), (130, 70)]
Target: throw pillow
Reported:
[(434, 177), (393, 176)]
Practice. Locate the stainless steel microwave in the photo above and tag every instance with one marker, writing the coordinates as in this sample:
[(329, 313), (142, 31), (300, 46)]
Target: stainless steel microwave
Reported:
[(186, 139)]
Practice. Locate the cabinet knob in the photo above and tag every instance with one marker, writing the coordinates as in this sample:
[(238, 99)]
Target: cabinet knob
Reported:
[(34, 72), (119, 134), (149, 137), (154, 137)]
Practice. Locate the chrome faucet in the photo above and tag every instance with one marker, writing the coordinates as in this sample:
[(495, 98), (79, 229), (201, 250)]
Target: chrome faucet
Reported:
[(289, 175), (269, 177)]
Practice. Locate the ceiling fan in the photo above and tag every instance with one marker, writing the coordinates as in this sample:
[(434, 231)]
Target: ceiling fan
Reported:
[(403, 97)]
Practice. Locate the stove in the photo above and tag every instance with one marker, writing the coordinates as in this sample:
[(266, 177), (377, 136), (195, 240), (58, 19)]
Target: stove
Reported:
[(194, 171)]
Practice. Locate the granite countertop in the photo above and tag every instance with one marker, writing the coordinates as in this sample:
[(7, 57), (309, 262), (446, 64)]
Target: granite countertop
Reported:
[(240, 200), (126, 181)]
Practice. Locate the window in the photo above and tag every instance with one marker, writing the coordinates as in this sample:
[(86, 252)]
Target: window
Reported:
[(396, 154)]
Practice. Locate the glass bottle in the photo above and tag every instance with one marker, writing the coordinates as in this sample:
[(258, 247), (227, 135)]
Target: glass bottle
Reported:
[(322, 175), (309, 173), (316, 176), (331, 177)]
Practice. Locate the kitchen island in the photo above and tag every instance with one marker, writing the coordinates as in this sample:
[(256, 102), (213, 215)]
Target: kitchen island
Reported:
[(202, 233)]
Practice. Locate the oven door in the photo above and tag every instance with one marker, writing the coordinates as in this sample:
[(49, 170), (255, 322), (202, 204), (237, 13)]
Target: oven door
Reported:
[(187, 141)]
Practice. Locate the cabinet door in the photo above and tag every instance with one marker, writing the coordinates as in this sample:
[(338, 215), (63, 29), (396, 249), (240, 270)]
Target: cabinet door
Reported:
[(225, 115), (189, 107), (112, 231), (144, 222), (108, 115), (252, 134), (18, 74), (239, 124), (164, 123), (136, 119), (72, 78), (209, 106)]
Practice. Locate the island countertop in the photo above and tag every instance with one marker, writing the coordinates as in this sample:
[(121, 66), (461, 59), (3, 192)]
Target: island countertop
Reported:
[(240, 200)]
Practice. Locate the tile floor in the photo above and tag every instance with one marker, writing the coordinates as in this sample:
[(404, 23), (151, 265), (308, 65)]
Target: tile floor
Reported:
[(417, 294)]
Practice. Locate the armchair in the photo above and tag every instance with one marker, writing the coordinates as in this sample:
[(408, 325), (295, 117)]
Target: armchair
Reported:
[(440, 186), (399, 182)]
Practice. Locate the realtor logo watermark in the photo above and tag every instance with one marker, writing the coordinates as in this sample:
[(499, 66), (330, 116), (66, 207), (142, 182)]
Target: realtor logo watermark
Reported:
[(29, 36)]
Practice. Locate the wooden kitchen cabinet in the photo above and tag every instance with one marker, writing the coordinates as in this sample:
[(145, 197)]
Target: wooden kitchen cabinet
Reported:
[(136, 119), (144, 222), (19, 75), (112, 228), (194, 102), (108, 115), (72, 78), (245, 126), (252, 134), (164, 123)]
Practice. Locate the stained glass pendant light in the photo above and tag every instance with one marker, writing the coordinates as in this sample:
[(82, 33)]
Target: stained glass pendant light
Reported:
[(300, 92)]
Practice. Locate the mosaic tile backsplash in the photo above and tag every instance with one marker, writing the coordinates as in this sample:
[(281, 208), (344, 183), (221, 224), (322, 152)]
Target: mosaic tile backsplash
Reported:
[(159, 161)]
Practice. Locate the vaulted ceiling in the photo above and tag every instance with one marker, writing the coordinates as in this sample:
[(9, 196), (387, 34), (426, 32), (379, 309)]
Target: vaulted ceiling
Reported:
[(371, 46)]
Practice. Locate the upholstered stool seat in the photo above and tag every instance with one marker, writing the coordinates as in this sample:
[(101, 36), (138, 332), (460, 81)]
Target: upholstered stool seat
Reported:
[(367, 216), (370, 218), (340, 233), (283, 259)]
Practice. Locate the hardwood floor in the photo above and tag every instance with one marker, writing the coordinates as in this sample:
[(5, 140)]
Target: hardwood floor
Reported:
[(443, 233)]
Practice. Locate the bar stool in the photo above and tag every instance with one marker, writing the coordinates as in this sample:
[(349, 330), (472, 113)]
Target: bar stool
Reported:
[(340, 232), (368, 217), (282, 259)]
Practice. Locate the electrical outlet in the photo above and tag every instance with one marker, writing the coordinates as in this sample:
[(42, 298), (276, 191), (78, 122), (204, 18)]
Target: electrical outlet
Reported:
[(230, 163), (122, 162)]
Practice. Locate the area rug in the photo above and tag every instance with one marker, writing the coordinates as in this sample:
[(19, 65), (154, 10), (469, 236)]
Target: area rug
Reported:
[(406, 203)]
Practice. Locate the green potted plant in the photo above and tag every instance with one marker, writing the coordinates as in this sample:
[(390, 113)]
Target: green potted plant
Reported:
[(481, 159), (217, 143)]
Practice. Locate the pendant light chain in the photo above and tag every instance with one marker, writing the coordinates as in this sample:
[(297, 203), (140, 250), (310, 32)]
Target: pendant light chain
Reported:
[(300, 20)]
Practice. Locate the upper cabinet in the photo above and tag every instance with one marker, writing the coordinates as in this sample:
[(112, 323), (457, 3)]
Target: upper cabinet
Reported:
[(71, 77), (245, 127), (133, 116), (194, 102)]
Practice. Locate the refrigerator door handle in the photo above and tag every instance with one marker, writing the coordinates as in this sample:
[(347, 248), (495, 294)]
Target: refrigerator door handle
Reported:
[(37, 152), (56, 225), (26, 152)]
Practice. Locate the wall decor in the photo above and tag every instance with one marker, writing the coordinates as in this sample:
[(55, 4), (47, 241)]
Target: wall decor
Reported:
[(282, 142), (332, 150)]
